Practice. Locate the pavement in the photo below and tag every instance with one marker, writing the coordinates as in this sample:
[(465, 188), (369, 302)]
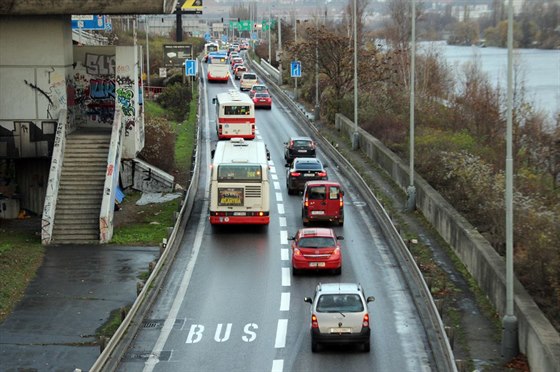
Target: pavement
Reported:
[(76, 289)]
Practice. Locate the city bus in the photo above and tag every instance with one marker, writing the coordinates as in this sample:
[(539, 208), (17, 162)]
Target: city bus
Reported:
[(239, 186), (208, 48), (235, 115), (218, 70)]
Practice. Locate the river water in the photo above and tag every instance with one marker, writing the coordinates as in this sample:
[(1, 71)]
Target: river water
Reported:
[(538, 69)]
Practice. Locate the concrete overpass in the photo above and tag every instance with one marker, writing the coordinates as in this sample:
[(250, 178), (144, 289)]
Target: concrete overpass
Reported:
[(76, 7), (50, 90)]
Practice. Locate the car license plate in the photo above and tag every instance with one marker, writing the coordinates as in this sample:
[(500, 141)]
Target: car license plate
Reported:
[(309, 175), (239, 213), (316, 264), (262, 100), (341, 330), (302, 151), (317, 212)]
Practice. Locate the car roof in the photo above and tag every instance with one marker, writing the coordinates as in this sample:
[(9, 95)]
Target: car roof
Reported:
[(316, 231), (258, 85), (300, 138), (339, 288), (321, 183), (308, 160), (249, 73)]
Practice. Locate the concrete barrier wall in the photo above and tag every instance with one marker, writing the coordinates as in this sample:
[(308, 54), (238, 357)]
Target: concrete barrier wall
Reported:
[(538, 339), (274, 73)]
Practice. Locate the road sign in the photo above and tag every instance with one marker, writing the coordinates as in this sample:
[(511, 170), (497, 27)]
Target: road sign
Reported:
[(174, 55), (162, 72), (192, 7), (207, 36), (190, 67), (92, 22), (295, 69), (224, 38)]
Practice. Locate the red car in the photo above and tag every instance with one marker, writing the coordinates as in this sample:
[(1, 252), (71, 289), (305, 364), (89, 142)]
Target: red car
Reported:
[(258, 88), (316, 249), (262, 100)]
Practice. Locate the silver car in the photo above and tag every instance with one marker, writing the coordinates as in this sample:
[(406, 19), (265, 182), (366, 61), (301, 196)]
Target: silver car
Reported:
[(339, 315)]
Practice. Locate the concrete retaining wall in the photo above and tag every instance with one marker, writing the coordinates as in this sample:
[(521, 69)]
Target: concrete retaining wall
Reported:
[(538, 339), (270, 70)]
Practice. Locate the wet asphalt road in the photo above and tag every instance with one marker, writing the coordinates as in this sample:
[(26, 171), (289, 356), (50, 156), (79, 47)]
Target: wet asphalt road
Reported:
[(76, 289)]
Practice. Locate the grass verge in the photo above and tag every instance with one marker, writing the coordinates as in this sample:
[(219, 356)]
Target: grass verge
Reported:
[(21, 254)]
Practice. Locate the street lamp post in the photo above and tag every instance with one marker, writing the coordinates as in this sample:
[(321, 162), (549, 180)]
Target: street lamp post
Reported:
[(355, 135), (147, 51), (317, 107), (269, 31), (509, 322), (411, 190), (280, 80)]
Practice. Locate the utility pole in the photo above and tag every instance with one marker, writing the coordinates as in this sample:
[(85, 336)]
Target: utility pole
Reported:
[(317, 107), (280, 80), (411, 190), (179, 32), (147, 51), (355, 135)]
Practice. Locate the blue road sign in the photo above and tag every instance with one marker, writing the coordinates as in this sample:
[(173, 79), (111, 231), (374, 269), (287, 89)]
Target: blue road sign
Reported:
[(190, 67), (254, 36), (207, 36), (224, 38), (295, 69), (92, 22)]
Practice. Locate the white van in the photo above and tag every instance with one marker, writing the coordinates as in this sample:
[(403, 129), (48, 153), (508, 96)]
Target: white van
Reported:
[(248, 79)]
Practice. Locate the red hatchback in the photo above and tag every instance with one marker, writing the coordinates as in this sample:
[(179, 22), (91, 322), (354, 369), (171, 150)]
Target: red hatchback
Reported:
[(316, 249), (262, 100)]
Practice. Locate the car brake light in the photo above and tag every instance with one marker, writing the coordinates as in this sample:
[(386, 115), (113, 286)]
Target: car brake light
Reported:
[(295, 174), (322, 174), (365, 322), (220, 129), (313, 145), (341, 202), (297, 252), (291, 144), (306, 203), (314, 322)]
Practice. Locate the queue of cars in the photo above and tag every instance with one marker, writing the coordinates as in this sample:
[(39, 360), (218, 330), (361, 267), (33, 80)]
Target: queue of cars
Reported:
[(338, 312)]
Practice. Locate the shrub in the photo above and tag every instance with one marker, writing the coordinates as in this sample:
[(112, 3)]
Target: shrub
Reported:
[(159, 143), (175, 99)]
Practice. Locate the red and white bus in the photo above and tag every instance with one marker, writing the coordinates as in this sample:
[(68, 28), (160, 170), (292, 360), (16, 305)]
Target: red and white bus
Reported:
[(239, 186), (235, 115), (218, 70)]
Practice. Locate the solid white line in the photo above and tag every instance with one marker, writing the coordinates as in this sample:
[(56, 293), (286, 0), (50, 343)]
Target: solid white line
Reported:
[(276, 185), (173, 312), (283, 237), (286, 277), (285, 301), (282, 221), (277, 365), (281, 332), (284, 254), (280, 208), (279, 197)]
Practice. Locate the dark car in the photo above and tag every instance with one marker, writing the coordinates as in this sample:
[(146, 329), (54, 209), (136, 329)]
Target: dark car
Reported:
[(302, 170), (299, 147)]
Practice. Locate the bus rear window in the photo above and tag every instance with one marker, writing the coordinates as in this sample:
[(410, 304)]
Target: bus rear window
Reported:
[(239, 173), (237, 110)]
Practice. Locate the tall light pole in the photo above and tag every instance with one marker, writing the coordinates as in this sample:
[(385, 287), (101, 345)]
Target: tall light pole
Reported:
[(355, 135), (411, 190), (280, 80), (147, 51), (317, 107), (509, 322)]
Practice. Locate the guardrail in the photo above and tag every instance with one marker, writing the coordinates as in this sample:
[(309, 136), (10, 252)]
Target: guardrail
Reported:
[(119, 343), (440, 346)]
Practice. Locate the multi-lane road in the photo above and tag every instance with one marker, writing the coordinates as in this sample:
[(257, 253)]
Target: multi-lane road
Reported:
[(230, 303)]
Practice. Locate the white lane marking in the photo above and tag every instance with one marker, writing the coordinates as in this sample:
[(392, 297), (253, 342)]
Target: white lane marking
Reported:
[(279, 197), (276, 185), (286, 277), (282, 221), (280, 208), (272, 167), (283, 237), (259, 137), (274, 177), (284, 254), (277, 365), (285, 301), (281, 332), (153, 360)]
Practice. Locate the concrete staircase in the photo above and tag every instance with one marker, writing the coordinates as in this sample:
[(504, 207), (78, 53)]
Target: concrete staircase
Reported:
[(81, 188)]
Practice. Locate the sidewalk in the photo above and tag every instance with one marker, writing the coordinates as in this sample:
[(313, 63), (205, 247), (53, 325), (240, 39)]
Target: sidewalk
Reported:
[(76, 289)]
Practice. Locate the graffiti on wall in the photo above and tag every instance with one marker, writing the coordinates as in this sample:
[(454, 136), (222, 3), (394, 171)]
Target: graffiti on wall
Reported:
[(126, 97), (94, 90), (27, 139)]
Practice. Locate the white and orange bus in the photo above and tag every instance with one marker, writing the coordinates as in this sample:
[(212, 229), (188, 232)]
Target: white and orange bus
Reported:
[(239, 186), (235, 115)]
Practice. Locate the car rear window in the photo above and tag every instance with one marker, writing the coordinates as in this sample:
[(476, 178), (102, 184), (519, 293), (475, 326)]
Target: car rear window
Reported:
[(249, 77), (334, 303), (261, 95), (316, 242), (309, 166), (317, 192), (302, 143)]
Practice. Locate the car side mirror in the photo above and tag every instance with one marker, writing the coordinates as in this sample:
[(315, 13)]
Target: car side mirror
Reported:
[(325, 166), (370, 299), (340, 237), (287, 165), (342, 193), (308, 299), (212, 153)]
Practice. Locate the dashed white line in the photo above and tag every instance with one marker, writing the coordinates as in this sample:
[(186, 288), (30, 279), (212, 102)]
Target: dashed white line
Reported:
[(281, 332), (279, 197), (272, 168), (283, 237), (280, 208), (284, 254), (283, 222), (286, 277), (274, 177), (276, 185), (277, 365), (285, 301)]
